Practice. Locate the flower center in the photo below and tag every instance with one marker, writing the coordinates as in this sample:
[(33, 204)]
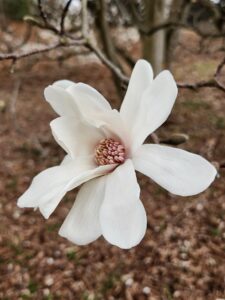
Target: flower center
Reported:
[(109, 152)]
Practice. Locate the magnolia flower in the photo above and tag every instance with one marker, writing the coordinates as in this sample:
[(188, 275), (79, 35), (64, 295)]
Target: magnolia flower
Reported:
[(104, 148)]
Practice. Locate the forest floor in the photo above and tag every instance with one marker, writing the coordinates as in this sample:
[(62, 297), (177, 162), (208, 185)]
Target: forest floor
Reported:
[(182, 255)]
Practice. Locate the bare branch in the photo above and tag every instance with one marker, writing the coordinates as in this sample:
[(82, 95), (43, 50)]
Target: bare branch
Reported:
[(89, 43), (64, 13), (125, 56), (213, 83), (117, 71), (219, 67), (17, 56), (44, 17), (42, 12)]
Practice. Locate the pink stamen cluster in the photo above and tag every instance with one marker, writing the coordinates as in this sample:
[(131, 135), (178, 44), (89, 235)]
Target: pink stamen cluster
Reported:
[(109, 152)]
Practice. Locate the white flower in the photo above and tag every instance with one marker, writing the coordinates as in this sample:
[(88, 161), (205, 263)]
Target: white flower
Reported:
[(101, 141)]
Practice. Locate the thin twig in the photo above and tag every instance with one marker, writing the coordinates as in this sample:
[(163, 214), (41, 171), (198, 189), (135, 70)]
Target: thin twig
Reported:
[(42, 12), (219, 67), (17, 56), (44, 17), (202, 84), (116, 70), (214, 83), (64, 13), (89, 43)]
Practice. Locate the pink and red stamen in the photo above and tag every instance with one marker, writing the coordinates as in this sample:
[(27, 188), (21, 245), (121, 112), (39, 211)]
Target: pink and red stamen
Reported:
[(109, 151)]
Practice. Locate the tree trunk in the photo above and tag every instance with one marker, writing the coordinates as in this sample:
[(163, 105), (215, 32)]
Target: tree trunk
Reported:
[(154, 46)]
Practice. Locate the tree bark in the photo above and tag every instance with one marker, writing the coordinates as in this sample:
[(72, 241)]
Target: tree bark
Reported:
[(154, 46)]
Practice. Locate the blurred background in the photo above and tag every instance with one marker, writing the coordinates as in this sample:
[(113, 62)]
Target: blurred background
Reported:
[(182, 256)]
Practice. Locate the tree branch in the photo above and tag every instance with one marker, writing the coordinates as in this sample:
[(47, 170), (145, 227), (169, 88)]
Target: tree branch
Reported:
[(17, 56), (64, 13), (117, 71), (44, 17), (42, 12), (89, 43), (219, 68), (202, 84)]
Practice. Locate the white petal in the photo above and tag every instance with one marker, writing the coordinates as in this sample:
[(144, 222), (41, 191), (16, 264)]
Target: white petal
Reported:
[(122, 215), (178, 171), (81, 225), (155, 106), (64, 83), (112, 125), (76, 138), (48, 188), (47, 208), (49, 184), (141, 78), (66, 160), (97, 111), (88, 99), (61, 101)]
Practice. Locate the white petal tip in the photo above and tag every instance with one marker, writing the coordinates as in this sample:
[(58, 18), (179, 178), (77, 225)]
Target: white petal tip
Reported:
[(129, 243), (127, 246), (20, 204), (44, 213), (23, 202), (211, 172), (48, 92), (63, 83), (73, 240), (143, 62), (168, 76)]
